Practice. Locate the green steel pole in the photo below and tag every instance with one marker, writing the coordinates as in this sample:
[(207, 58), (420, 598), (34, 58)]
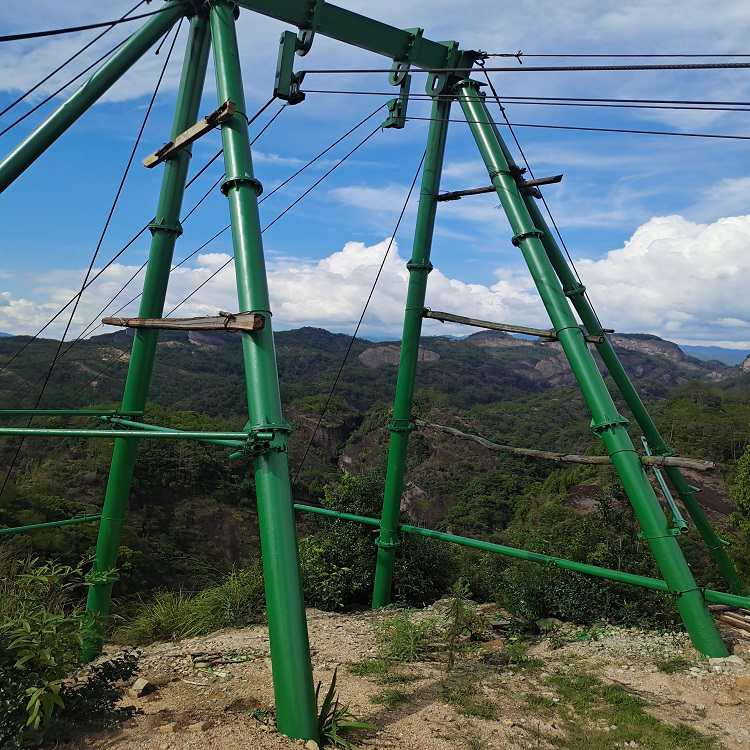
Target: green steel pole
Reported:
[(155, 428), (607, 423), (575, 292), (164, 229), (419, 268), (50, 524), (296, 711), (104, 78), (139, 432)]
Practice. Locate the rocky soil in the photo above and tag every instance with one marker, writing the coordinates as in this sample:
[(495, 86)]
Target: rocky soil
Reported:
[(215, 692)]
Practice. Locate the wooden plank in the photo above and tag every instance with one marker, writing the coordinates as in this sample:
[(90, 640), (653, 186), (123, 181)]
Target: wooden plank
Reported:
[(223, 322), (209, 122), (569, 458), (739, 626), (543, 333)]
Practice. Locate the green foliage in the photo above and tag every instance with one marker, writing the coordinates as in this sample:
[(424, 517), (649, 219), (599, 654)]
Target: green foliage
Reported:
[(390, 697), (338, 565), (672, 664), (587, 703), (463, 696), (459, 617), (335, 721), (607, 538), (237, 600), (405, 639), (41, 635)]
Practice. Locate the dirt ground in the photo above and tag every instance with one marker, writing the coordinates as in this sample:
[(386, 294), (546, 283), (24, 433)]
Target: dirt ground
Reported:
[(215, 692)]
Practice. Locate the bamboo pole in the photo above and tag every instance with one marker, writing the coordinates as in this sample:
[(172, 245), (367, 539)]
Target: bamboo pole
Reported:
[(569, 458)]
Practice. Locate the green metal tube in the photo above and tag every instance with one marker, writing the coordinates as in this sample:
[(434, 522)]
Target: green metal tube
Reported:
[(182, 433), (68, 413), (655, 584), (607, 423), (104, 78), (419, 268), (50, 524), (164, 229), (575, 292), (231, 438), (296, 710)]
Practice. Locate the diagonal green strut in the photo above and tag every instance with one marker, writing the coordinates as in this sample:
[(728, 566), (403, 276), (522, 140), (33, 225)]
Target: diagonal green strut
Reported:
[(607, 423), (296, 711), (165, 229)]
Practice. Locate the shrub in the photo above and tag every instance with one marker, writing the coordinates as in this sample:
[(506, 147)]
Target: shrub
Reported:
[(170, 615), (338, 565), (40, 640)]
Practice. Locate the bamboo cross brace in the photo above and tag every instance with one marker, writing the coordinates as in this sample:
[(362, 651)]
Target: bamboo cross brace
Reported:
[(570, 458), (193, 133), (223, 322)]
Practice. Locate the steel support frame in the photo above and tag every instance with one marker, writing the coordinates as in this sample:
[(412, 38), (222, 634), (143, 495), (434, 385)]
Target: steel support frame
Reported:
[(296, 710), (607, 423), (164, 229), (575, 292), (419, 268)]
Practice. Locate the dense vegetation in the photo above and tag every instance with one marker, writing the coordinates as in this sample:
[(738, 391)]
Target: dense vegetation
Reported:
[(192, 521)]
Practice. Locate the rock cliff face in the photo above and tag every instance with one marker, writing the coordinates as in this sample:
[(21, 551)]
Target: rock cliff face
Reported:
[(388, 354), (650, 345), (496, 340), (745, 366)]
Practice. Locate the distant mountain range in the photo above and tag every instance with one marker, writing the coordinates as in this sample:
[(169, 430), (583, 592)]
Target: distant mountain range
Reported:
[(706, 353), (5, 334)]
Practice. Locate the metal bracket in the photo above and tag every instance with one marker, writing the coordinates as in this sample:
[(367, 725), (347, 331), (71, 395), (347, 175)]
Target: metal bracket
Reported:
[(263, 438), (579, 289), (101, 578), (390, 541), (438, 82), (607, 424), (156, 226), (246, 179), (521, 236), (400, 425), (287, 83), (413, 265), (397, 107), (307, 32), (671, 531)]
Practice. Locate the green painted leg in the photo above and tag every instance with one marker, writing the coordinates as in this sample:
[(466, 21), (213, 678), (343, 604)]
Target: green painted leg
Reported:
[(165, 229), (419, 267), (574, 292), (296, 711), (606, 422)]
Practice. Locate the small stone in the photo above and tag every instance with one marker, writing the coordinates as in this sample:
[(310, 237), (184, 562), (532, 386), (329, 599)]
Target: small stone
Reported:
[(742, 683), (311, 745), (496, 643), (728, 700), (199, 726), (700, 707), (167, 728), (141, 687)]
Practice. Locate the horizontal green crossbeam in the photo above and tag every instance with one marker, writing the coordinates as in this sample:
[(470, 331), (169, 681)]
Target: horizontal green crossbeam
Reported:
[(50, 524), (135, 434), (632, 579), (157, 428), (68, 413), (355, 29)]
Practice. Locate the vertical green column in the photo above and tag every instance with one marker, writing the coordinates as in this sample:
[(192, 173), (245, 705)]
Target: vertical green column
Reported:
[(296, 711), (164, 229), (575, 292), (419, 267), (99, 83), (607, 423)]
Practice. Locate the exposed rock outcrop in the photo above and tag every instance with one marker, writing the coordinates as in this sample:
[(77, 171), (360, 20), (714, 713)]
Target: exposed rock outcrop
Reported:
[(388, 354)]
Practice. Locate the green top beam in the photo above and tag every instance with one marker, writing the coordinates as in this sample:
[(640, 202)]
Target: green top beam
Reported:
[(355, 29)]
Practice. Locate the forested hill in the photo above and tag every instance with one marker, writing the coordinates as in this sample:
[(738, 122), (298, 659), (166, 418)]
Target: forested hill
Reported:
[(192, 510)]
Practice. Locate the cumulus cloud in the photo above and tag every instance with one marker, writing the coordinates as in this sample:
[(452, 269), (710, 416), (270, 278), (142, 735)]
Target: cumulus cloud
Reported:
[(675, 278)]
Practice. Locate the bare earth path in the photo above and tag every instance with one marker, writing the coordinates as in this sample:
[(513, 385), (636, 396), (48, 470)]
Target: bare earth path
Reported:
[(215, 692)]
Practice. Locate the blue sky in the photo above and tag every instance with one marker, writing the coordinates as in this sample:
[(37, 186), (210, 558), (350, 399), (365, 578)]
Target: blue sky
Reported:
[(659, 226)]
